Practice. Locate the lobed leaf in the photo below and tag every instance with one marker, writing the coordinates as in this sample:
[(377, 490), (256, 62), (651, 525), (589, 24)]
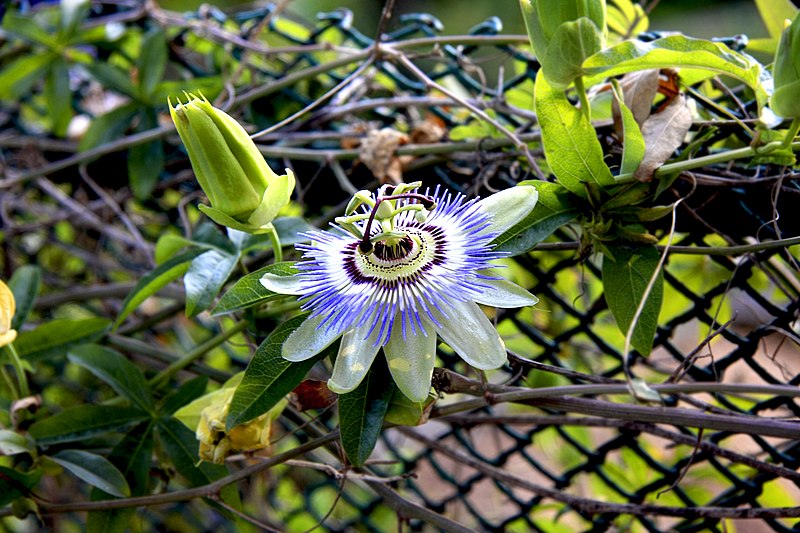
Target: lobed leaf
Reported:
[(207, 274), (132, 456), (248, 290), (24, 284), (154, 281), (117, 371), (269, 377), (95, 470), (84, 421), (54, 339)]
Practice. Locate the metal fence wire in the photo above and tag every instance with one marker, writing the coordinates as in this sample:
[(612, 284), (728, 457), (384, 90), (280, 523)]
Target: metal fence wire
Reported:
[(543, 464)]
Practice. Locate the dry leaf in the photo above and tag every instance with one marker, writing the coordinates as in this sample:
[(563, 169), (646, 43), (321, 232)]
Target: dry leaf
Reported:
[(663, 133), (377, 152), (639, 89)]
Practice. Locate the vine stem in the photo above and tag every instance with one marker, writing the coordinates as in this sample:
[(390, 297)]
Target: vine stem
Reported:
[(585, 106), (162, 377), (277, 251), (794, 128), (16, 362), (722, 157)]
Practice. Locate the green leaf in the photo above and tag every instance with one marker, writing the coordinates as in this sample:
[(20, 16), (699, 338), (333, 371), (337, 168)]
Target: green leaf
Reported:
[(204, 279), (152, 63), (28, 28), (556, 207), (58, 97), (108, 127), (181, 446), (114, 369), (570, 142), (132, 456), (186, 393), (84, 421), (361, 412), (625, 278), (626, 18), (113, 77), (678, 51), (24, 284), (95, 470), (571, 44), (405, 412), (19, 76), (249, 291), (53, 339), (15, 484), (146, 160), (774, 13), (145, 163), (13, 443), (269, 377), (633, 147), (154, 281)]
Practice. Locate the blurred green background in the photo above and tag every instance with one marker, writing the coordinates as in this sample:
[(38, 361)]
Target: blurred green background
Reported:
[(697, 18)]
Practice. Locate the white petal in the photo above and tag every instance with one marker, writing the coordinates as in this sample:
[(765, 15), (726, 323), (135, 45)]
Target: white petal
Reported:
[(472, 336), (509, 206), (282, 284), (503, 293), (307, 341), (355, 357), (411, 360)]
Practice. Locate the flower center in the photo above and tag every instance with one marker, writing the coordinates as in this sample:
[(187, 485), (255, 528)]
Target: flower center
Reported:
[(403, 259), (392, 251)]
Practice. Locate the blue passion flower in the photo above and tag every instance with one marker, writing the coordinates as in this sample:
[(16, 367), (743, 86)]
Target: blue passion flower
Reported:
[(398, 270)]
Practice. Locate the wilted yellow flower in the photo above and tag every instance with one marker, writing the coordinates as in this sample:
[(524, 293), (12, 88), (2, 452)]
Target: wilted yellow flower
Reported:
[(207, 416), (8, 307), (245, 194)]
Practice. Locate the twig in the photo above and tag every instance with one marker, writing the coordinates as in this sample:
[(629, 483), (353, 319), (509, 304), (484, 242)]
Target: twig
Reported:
[(468, 420), (205, 491), (409, 509), (143, 245), (430, 84)]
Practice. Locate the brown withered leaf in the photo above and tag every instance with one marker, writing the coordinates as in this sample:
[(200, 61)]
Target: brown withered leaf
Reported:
[(663, 133), (377, 153), (312, 394), (639, 89)]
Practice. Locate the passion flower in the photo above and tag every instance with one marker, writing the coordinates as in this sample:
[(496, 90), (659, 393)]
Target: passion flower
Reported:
[(400, 269)]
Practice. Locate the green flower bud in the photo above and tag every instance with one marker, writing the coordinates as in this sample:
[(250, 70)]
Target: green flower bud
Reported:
[(786, 72), (244, 193)]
